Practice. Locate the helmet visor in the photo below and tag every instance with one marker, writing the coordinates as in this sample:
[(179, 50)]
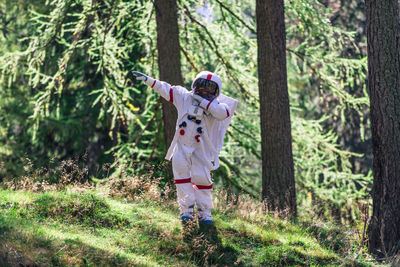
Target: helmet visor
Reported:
[(205, 88)]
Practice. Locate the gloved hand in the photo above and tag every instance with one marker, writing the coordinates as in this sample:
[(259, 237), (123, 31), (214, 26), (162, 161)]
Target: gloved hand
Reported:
[(197, 98), (139, 76)]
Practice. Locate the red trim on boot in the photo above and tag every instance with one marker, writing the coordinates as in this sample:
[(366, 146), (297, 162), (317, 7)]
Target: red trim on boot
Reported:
[(204, 186), (183, 181)]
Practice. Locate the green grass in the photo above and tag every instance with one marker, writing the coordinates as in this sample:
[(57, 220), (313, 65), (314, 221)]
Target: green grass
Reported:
[(86, 228)]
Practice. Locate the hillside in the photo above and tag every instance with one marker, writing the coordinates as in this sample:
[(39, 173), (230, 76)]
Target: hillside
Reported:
[(85, 226)]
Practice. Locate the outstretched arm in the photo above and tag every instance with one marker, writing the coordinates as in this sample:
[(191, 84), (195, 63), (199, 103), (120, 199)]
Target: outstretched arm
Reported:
[(148, 80), (164, 88)]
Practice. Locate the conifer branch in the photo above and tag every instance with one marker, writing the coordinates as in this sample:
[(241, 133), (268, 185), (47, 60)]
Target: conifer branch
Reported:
[(252, 149), (156, 107), (233, 182), (237, 171), (81, 28), (237, 17), (213, 45), (58, 26), (5, 27), (244, 133), (107, 28), (153, 60), (157, 134), (189, 60)]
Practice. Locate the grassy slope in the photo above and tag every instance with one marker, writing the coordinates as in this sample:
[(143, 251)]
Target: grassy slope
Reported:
[(86, 228)]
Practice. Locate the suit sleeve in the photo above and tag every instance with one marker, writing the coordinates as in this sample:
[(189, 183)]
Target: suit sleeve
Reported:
[(173, 94), (220, 111)]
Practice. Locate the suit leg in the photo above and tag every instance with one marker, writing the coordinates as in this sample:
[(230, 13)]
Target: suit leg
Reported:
[(181, 166), (201, 177)]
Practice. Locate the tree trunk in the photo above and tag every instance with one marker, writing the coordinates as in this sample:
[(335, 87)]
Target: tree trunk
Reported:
[(384, 90), (169, 59), (277, 161)]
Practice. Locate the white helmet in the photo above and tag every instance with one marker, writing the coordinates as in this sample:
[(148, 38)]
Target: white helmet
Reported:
[(208, 77)]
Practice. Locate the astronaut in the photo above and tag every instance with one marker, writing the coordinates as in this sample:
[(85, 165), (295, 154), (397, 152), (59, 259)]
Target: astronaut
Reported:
[(203, 117)]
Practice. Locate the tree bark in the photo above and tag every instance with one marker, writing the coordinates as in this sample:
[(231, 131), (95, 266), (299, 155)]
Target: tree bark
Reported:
[(278, 190), (383, 34), (169, 59)]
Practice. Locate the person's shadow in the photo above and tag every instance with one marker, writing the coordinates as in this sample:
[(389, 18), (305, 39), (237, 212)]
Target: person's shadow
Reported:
[(207, 246)]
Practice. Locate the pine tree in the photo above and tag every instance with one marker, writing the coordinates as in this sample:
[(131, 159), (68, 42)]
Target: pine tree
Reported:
[(169, 60), (383, 31), (277, 160)]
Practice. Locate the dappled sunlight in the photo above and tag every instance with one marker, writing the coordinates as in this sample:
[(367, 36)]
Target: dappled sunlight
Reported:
[(151, 234), (21, 197), (73, 244), (113, 244), (278, 236)]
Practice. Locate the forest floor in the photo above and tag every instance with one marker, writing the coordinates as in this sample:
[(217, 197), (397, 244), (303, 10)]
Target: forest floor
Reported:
[(88, 226)]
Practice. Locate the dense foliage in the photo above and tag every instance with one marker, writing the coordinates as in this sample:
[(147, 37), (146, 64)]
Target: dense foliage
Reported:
[(66, 92)]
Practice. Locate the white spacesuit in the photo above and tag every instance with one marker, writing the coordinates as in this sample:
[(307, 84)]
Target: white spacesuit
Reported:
[(203, 117)]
